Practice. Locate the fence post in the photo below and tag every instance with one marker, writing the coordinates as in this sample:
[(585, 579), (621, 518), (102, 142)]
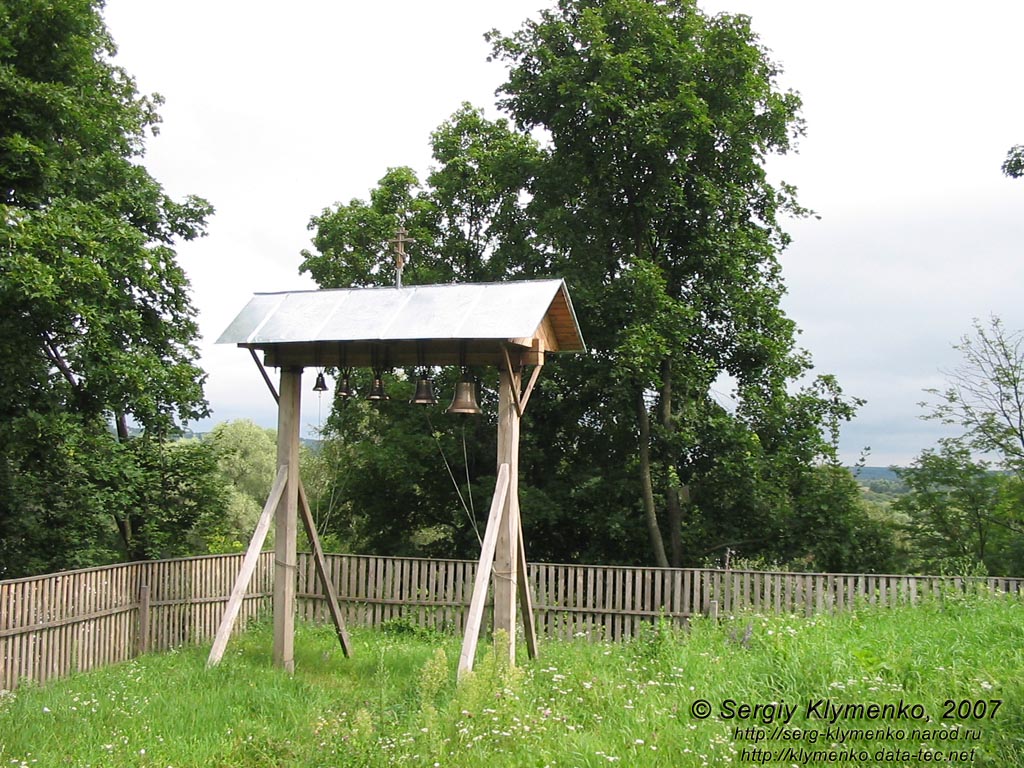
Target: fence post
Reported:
[(143, 638), (713, 610)]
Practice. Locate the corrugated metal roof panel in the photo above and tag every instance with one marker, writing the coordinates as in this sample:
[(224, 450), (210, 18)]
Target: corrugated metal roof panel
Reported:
[(360, 314), (297, 318), (456, 311), (506, 310), (251, 318), (432, 314)]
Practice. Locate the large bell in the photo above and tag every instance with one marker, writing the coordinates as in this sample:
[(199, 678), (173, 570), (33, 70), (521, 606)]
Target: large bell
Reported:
[(321, 383), (377, 390), (465, 397), (424, 392)]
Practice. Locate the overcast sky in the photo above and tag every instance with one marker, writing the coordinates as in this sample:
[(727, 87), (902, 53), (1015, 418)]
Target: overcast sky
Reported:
[(275, 111)]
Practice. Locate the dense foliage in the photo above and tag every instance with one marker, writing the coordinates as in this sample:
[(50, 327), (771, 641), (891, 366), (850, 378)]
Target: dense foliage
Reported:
[(634, 168), (96, 325)]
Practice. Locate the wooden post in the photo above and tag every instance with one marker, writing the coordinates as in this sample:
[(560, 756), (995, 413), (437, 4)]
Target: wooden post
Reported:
[(143, 638), (506, 560), (286, 517), (526, 600)]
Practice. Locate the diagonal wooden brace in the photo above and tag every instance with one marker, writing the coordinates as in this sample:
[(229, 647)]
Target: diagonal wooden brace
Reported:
[(483, 574), (320, 560), (252, 555), (526, 600)]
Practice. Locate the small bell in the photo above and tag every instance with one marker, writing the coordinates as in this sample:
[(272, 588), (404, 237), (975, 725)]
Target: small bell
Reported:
[(377, 390), (321, 383), (424, 392), (345, 390), (465, 397)]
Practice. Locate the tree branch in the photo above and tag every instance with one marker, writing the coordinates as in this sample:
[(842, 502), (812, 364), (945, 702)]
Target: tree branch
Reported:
[(55, 357)]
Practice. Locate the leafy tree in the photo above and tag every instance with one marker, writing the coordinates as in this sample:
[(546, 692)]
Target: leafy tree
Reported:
[(960, 506), (89, 285), (1013, 166), (468, 223), (655, 200), (833, 530), (171, 498), (382, 480), (985, 394), (352, 241), (478, 210), (246, 459), (57, 483), (766, 484), (960, 510), (246, 463), (648, 193), (83, 498), (96, 321)]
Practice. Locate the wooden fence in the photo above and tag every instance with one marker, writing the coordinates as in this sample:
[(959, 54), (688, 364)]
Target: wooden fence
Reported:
[(52, 626)]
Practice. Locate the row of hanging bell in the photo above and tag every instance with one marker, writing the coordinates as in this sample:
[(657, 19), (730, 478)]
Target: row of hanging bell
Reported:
[(345, 389), (463, 402)]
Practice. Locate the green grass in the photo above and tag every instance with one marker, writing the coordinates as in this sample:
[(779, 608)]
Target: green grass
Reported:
[(396, 701)]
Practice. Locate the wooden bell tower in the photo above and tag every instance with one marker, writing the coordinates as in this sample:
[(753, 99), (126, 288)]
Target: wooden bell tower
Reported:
[(511, 326)]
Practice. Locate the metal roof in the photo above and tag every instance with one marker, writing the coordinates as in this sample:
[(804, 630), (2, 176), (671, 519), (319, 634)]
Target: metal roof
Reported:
[(431, 323)]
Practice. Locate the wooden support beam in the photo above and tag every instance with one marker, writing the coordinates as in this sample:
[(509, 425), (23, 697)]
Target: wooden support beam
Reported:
[(506, 562), (521, 581), (285, 530), (252, 555), (529, 387), (483, 573), (512, 372), (526, 600), (521, 400), (266, 378), (321, 569)]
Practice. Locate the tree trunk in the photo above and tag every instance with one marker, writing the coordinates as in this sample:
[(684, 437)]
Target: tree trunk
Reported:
[(673, 504), (124, 527), (122, 427), (647, 488), (125, 520)]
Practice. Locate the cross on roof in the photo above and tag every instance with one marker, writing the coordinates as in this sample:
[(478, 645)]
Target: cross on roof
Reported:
[(399, 242)]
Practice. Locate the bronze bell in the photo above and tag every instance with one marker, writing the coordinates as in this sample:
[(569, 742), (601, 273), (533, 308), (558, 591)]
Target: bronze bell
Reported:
[(377, 390), (321, 383), (465, 397), (424, 392), (345, 387)]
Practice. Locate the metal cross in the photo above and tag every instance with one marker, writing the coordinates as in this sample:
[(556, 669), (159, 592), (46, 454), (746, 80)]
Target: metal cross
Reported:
[(400, 256)]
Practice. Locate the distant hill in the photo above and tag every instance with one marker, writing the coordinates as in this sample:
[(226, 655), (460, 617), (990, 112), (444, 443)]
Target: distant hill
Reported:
[(867, 474)]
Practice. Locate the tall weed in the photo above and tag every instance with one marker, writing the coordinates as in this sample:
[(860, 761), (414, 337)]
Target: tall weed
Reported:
[(396, 702)]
